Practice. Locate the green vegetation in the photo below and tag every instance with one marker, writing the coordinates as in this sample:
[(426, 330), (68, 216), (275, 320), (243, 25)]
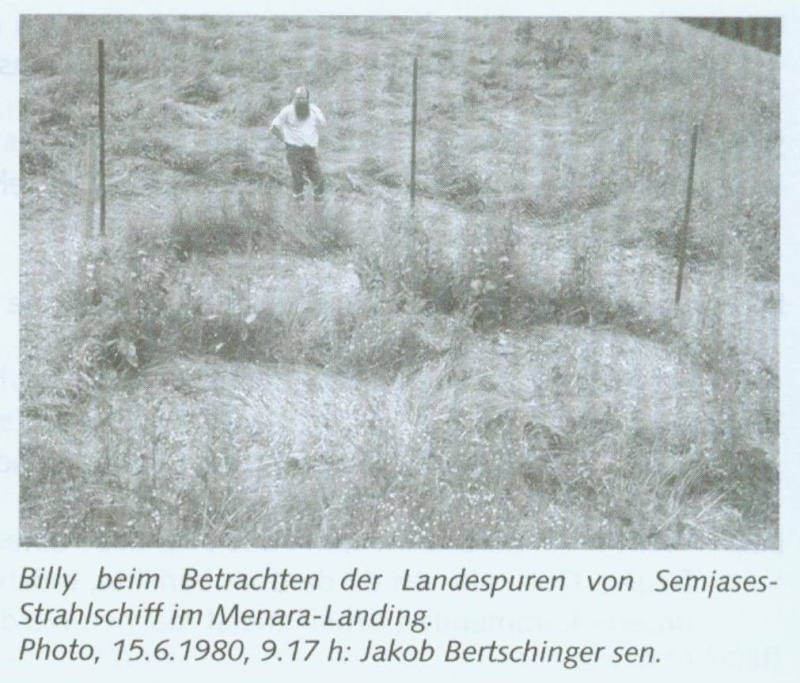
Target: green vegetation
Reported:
[(501, 367)]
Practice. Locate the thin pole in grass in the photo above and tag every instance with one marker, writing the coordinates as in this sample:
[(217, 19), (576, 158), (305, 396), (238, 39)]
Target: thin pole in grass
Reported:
[(101, 96), (91, 180), (505, 270), (414, 134), (683, 236)]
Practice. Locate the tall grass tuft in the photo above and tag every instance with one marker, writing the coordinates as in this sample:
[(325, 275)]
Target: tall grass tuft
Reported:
[(247, 222), (119, 301)]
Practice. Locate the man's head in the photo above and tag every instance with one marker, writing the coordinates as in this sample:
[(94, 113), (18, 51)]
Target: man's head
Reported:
[(301, 103)]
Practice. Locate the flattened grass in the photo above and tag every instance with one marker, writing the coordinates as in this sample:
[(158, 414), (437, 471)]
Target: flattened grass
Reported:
[(502, 367)]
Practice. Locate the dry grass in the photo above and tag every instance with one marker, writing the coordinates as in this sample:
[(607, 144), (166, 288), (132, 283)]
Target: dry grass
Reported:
[(502, 367)]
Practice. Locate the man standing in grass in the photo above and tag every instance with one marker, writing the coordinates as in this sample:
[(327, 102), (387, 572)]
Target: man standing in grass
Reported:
[(298, 125)]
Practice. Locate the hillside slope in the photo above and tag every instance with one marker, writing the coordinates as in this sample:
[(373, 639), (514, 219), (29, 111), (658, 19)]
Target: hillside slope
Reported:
[(503, 366)]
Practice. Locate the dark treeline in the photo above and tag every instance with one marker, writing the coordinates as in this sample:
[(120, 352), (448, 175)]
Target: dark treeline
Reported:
[(762, 32)]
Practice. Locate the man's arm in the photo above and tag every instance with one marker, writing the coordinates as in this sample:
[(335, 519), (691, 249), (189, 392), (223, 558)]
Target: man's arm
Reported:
[(320, 116), (276, 128), (276, 131)]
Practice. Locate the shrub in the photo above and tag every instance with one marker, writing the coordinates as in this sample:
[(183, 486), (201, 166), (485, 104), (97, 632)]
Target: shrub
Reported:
[(231, 223), (222, 225), (119, 301)]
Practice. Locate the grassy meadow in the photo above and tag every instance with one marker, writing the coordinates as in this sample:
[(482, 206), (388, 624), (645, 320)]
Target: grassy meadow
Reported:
[(503, 366)]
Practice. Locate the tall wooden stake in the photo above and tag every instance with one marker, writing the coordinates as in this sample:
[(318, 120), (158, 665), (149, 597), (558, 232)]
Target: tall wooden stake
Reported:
[(91, 181), (102, 124), (683, 237), (414, 135)]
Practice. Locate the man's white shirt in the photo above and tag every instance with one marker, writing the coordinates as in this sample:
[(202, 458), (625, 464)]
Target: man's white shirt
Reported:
[(300, 133)]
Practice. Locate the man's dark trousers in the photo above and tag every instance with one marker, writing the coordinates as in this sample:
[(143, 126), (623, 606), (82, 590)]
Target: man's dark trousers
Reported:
[(303, 161)]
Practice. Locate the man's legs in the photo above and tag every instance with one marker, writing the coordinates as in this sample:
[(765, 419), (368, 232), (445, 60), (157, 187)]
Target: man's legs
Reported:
[(314, 172), (294, 156)]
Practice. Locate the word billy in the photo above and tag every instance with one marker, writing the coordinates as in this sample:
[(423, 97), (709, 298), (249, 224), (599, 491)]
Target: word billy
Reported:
[(58, 579)]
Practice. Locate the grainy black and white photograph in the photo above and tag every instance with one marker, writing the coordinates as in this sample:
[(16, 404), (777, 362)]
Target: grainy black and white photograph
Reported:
[(399, 282)]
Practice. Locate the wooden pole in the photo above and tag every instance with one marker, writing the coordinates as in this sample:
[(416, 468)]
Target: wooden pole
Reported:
[(414, 135), (683, 236), (91, 181), (102, 125)]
